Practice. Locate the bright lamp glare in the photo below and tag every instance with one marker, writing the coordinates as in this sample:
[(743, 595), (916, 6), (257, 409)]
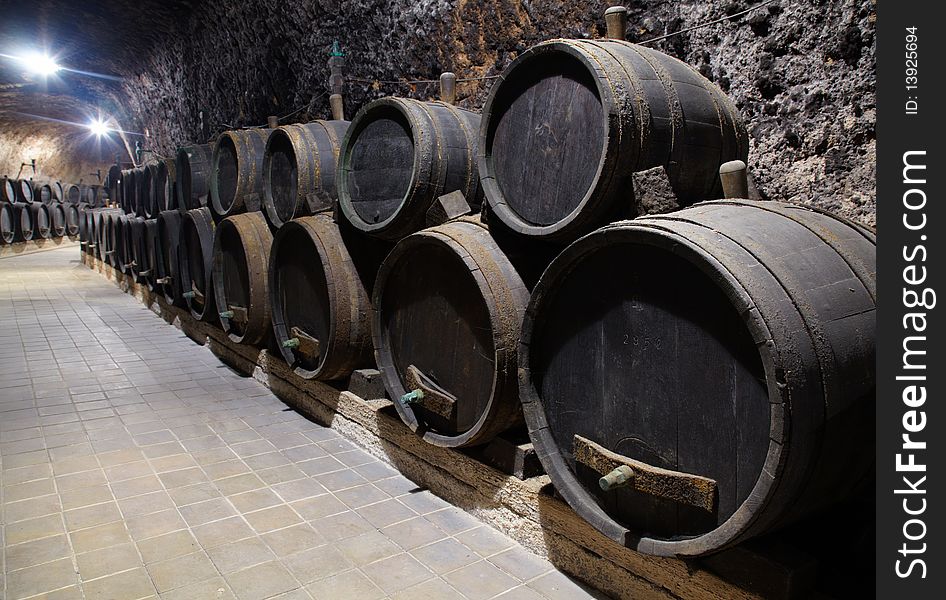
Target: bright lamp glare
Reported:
[(98, 127), (40, 64)]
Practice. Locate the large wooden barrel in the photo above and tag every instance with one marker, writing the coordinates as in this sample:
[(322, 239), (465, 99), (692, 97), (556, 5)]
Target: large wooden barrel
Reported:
[(299, 167), (74, 195), (42, 227), (137, 244), (24, 190), (193, 176), (236, 175), (149, 191), (113, 183), (152, 271), (127, 191), (22, 222), (59, 191), (100, 233), (447, 307), (85, 227), (240, 277), (398, 156), (7, 224), (8, 190), (42, 192), (167, 197), (73, 219), (169, 230), (57, 220), (729, 366), (113, 253), (321, 275), (196, 264), (569, 121)]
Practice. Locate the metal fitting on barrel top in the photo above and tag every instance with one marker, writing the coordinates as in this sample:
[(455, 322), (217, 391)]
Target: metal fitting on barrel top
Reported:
[(448, 87), (616, 20), (734, 177)]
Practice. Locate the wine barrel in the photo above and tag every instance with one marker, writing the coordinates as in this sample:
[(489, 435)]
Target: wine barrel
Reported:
[(193, 176), (42, 192), (569, 121), (128, 191), (169, 230), (236, 175), (57, 220), (114, 254), (398, 156), (241, 283), (59, 192), (136, 236), (299, 166), (72, 219), (152, 270), (730, 368), (113, 183), (143, 195), (22, 222), (74, 196), (7, 224), (196, 264), (42, 227), (447, 307), (320, 297), (85, 227), (8, 190), (24, 190), (100, 234), (167, 199)]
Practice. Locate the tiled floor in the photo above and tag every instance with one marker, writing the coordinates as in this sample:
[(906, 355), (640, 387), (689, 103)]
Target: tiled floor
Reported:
[(135, 465)]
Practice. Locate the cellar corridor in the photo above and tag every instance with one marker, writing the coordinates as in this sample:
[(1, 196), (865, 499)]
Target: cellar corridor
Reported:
[(134, 464)]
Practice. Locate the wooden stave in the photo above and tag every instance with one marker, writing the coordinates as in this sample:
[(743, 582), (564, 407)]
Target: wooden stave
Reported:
[(745, 523)]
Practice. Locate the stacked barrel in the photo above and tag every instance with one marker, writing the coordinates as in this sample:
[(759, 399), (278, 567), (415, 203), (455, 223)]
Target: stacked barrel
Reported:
[(690, 380), (39, 208)]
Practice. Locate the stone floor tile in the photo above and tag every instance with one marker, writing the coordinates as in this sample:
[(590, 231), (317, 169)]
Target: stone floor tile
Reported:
[(432, 589), (445, 556), (317, 563), (239, 555), (129, 585), (37, 552), (222, 532), (349, 585), (262, 581), (180, 571), (293, 539), (169, 545), (396, 573), (106, 561), (41, 578), (480, 580), (100, 536)]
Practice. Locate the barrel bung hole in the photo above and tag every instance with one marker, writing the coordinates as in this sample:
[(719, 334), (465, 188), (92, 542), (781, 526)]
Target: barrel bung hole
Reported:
[(640, 351)]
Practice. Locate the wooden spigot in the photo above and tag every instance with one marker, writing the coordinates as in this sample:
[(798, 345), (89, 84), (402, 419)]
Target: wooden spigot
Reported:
[(448, 87), (616, 20)]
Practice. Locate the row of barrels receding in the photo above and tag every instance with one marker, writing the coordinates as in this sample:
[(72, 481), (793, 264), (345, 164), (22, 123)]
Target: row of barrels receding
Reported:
[(21, 222), (690, 380), (51, 192)]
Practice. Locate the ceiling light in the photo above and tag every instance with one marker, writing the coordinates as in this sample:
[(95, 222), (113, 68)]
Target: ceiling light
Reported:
[(40, 64), (98, 127)]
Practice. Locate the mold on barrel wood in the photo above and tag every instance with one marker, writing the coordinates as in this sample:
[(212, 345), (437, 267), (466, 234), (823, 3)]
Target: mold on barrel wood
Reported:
[(192, 170), (299, 169), (737, 344), (398, 157), (569, 121), (241, 251), (196, 264), (447, 307), (321, 276), (236, 173)]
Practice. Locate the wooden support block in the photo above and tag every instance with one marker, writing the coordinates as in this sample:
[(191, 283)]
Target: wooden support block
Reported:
[(512, 457), (448, 207), (367, 384), (767, 567)]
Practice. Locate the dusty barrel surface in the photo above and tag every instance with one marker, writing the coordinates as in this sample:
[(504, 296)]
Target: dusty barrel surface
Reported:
[(398, 156), (7, 224), (299, 169), (196, 264), (169, 230), (446, 311), (42, 226), (240, 276), (22, 222), (57, 220), (72, 218), (192, 170), (320, 298), (569, 121), (730, 367), (236, 175)]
